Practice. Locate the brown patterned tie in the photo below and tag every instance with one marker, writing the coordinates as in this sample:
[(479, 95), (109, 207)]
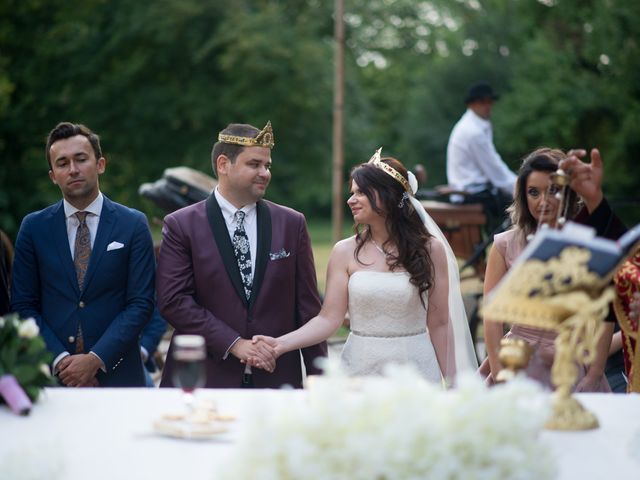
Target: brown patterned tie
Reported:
[(81, 255)]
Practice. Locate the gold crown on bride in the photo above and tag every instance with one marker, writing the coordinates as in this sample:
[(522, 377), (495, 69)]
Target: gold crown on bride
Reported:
[(263, 139), (388, 169)]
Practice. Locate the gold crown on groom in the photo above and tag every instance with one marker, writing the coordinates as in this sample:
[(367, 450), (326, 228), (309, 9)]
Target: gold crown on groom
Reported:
[(263, 139)]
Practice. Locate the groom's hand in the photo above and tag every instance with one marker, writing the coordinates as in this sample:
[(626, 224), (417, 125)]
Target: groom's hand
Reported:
[(259, 355)]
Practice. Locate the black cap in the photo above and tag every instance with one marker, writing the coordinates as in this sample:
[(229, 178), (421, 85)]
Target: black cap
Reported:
[(480, 90)]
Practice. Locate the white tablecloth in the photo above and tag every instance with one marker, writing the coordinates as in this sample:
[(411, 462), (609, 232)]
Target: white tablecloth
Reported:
[(603, 453), (107, 434)]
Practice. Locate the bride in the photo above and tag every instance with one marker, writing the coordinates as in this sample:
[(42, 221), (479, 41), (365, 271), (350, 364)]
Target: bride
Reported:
[(397, 278)]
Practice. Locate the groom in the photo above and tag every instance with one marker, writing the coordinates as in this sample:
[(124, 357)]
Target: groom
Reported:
[(235, 265)]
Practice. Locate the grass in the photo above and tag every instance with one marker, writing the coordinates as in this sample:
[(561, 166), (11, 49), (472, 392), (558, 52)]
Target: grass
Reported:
[(322, 243)]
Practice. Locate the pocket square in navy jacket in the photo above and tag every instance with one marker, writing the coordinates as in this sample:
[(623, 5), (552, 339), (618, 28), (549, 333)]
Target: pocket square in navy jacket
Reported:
[(282, 253), (115, 246)]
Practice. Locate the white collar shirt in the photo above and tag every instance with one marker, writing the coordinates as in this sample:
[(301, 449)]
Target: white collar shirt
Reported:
[(250, 222), (250, 228), (92, 220), (472, 159)]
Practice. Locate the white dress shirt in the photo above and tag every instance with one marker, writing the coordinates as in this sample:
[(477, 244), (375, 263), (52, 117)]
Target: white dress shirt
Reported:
[(250, 228), (250, 222), (472, 158), (92, 220)]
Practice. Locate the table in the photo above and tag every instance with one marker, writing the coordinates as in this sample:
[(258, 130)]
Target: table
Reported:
[(605, 452), (107, 434)]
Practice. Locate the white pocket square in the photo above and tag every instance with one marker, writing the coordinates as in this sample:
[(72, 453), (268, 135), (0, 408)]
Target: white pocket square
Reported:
[(282, 253), (114, 246)]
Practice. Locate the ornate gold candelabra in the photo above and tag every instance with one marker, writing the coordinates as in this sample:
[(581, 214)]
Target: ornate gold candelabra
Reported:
[(514, 356), (563, 295)]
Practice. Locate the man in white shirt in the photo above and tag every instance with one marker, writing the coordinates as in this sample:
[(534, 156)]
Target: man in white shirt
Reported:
[(473, 164)]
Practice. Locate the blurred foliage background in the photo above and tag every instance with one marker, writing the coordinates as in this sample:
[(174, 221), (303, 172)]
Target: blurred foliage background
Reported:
[(157, 80)]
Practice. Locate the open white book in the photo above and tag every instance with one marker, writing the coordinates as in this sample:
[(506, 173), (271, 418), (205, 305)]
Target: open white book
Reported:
[(555, 263)]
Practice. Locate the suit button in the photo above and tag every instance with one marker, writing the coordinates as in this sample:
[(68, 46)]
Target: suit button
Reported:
[(81, 304), (71, 339)]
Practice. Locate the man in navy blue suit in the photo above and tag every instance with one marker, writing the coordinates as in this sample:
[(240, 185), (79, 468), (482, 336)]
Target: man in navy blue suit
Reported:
[(149, 340), (84, 269)]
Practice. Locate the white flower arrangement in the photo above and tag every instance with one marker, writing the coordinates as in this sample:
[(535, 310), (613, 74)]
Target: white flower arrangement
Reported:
[(24, 362), (28, 328), (398, 427)]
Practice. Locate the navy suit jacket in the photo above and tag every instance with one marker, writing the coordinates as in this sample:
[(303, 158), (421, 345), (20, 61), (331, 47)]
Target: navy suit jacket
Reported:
[(118, 295), (151, 337)]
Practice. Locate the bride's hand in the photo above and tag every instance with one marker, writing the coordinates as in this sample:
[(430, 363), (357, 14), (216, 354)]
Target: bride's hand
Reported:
[(271, 341)]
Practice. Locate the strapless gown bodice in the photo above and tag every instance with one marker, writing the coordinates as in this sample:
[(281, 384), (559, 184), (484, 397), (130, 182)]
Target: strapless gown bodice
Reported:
[(388, 325)]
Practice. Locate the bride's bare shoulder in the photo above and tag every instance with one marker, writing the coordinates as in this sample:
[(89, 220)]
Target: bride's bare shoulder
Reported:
[(345, 246), (437, 251)]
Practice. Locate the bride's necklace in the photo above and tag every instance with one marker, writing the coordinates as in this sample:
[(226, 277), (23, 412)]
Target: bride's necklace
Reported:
[(380, 249)]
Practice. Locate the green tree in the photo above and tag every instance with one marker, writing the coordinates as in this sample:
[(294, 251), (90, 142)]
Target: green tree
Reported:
[(158, 80), (567, 71)]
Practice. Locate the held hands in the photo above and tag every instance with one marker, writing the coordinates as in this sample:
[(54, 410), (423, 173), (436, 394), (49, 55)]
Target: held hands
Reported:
[(269, 342), (79, 370), (586, 178), (257, 354)]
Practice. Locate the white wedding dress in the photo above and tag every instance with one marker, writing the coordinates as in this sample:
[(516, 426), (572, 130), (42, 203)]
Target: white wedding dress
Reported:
[(388, 325)]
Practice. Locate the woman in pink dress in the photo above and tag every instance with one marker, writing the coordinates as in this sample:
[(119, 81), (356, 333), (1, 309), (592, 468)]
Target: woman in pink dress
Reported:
[(534, 204)]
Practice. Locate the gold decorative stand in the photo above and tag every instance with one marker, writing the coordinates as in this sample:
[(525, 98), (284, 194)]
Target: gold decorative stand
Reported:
[(577, 341), (514, 356), (562, 295)]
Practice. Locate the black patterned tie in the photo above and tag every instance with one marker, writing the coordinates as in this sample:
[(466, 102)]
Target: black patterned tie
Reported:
[(81, 256), (243, 252)]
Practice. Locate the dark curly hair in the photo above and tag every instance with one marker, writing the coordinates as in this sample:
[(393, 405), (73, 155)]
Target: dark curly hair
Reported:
[(406, 230)]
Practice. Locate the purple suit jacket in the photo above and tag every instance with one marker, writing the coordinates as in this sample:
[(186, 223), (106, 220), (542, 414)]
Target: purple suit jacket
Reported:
[(200, 291)]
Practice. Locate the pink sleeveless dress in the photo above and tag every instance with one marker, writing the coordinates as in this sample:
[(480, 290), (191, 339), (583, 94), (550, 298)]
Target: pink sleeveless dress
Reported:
[(510, 244)]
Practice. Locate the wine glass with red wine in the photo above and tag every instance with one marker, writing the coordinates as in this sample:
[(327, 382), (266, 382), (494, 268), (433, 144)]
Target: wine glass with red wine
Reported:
[(189, 371)]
